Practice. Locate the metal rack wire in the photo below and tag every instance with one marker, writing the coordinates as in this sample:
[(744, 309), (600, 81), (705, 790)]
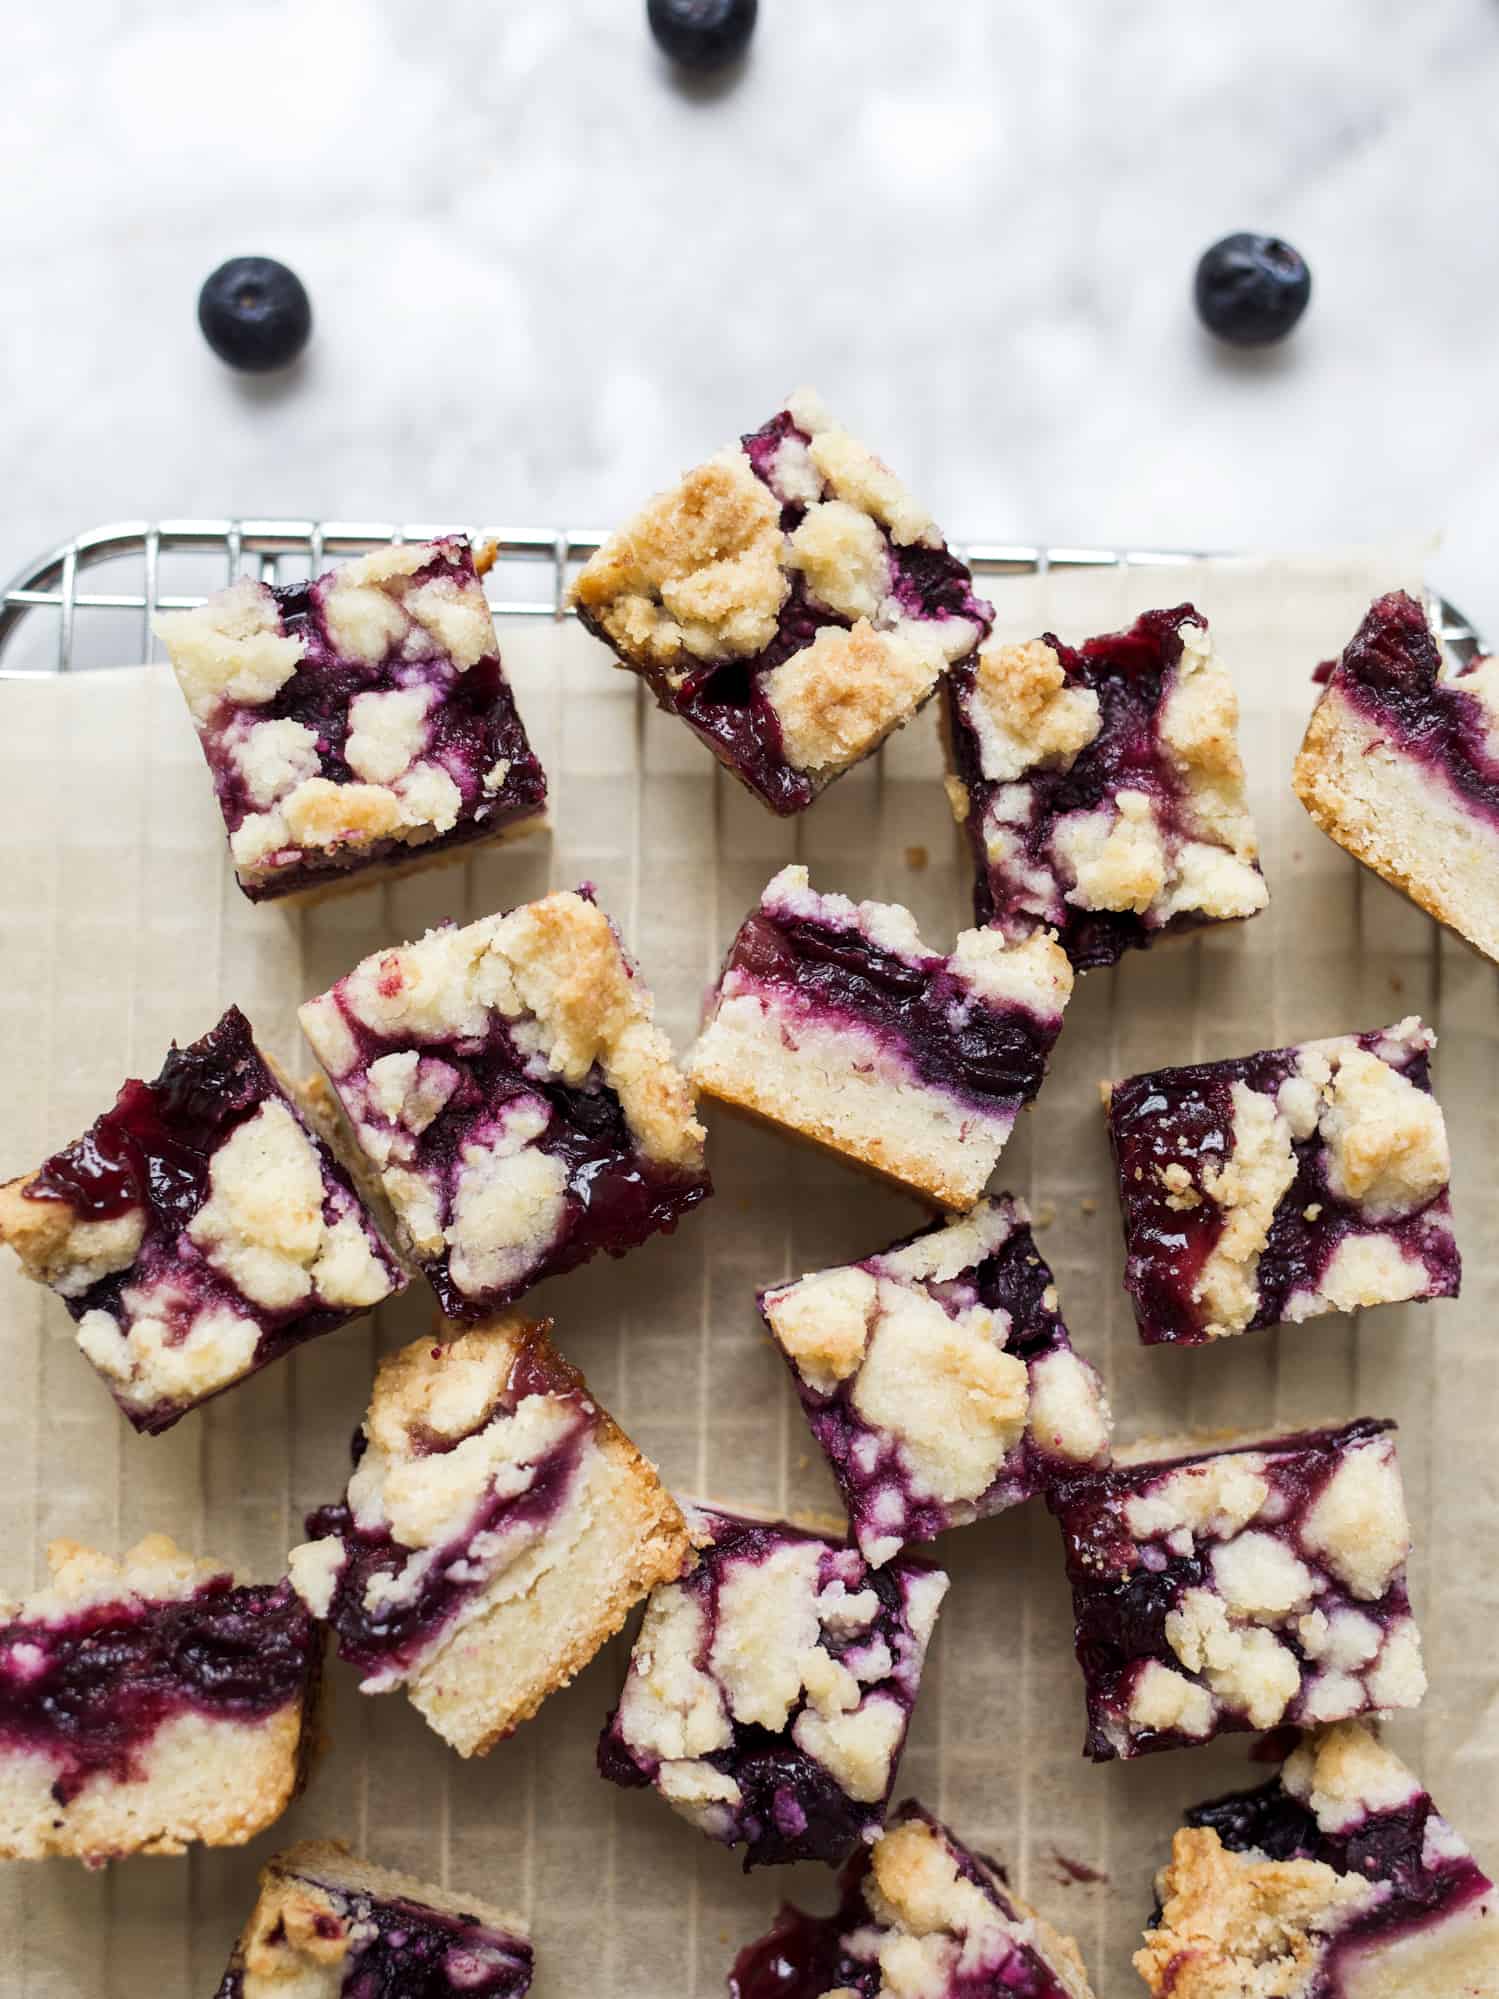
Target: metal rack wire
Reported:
[(150, 563)]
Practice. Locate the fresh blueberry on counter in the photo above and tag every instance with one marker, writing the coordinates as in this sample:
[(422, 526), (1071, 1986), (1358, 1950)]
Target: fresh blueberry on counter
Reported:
[(255, 314), (702, 34), (1251, 290)]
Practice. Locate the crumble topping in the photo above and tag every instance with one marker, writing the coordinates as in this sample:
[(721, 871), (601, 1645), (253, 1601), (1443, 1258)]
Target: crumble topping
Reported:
[(1025, 712), (856, 476), (938, 1377), (230, 649), (840, 696), (155, 1570), (59, 1250), (1034, 973), (1386, 1139), (150, 1358), (1359, 1525), (697, 572), (1247, 1189), (296, 1920)]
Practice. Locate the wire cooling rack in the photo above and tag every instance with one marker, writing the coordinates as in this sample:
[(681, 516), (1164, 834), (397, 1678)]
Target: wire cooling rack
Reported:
[(51, 623)]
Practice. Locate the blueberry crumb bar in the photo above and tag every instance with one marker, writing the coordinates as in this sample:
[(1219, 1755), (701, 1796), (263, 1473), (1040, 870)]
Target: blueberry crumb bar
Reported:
[(771, 1687), (921, 1916), (1101, 787), (359, 724), (1240, 1588), (1273, 1187), (1400, 765), (1337, 1879), (150, 1703), (328, 1925), (198, 1230), (513, 1098), (789, 599), (497, 1529), (938, 1377), (833, 1021)]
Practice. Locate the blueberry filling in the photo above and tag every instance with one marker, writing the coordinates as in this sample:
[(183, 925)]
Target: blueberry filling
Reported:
[(1387, 1847), (1123, 1591), (153, 1151), (1128, 672), (952, 1039), (394, 1636), (803, 1956), (789, 1807), (407, 1950), (726, 703), (89, 1691), (1185, 1116), (616, 1196), (1391, 671), (472, 722)]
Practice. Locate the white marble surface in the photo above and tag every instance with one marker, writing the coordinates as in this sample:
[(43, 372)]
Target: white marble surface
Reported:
[(545, 276)]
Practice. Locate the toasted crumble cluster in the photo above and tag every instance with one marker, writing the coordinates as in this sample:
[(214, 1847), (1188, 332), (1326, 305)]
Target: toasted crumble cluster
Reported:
[(770, 1689), (355, 719), (1241, 1588), (939, 1378), (921, 1916), (327, 1925), (497, 1529), (1101, 787), (1400, 765), (148, 1703), (515, 1101), (198, 1231), (1338, 1875), (833, 1021), (1274, 1187), (789, 599)]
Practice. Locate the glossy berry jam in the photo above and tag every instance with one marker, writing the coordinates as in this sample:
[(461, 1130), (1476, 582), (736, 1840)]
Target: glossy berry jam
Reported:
[(952, 1040), (1391, 670), (91, 1690)]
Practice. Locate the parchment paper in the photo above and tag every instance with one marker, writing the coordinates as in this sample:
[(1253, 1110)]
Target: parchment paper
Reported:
[(120, 928)]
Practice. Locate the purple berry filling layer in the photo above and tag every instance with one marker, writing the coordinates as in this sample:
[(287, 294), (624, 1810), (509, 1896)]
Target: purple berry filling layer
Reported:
[(1186, 1117), (952, 1039), (408, 1950), (789, 1805), (154, 1152), (725, 702), (1391, 671), (472, 726), (1129, 673), (808, 1957), (1425, 1879), (1129, 1585), (393, 1639), (90, 1691), (616, 1195)]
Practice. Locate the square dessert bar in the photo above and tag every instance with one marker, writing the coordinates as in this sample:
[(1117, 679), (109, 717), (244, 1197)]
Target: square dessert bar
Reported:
[(938, 1377), (497, 1528), (514, 1101), (921, 1916), (1101, 786), (328, 1925), (197, 1231), (1401, 766), (770, 1689), (357, 724), (1240, 1588), (1337, 1877), (1270, 1188), (789, 600), (834, 1022), (148, 1703)]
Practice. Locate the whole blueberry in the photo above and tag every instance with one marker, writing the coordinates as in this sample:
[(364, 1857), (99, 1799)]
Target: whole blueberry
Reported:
[(702, 34), (1252, 289), (255, 314)]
